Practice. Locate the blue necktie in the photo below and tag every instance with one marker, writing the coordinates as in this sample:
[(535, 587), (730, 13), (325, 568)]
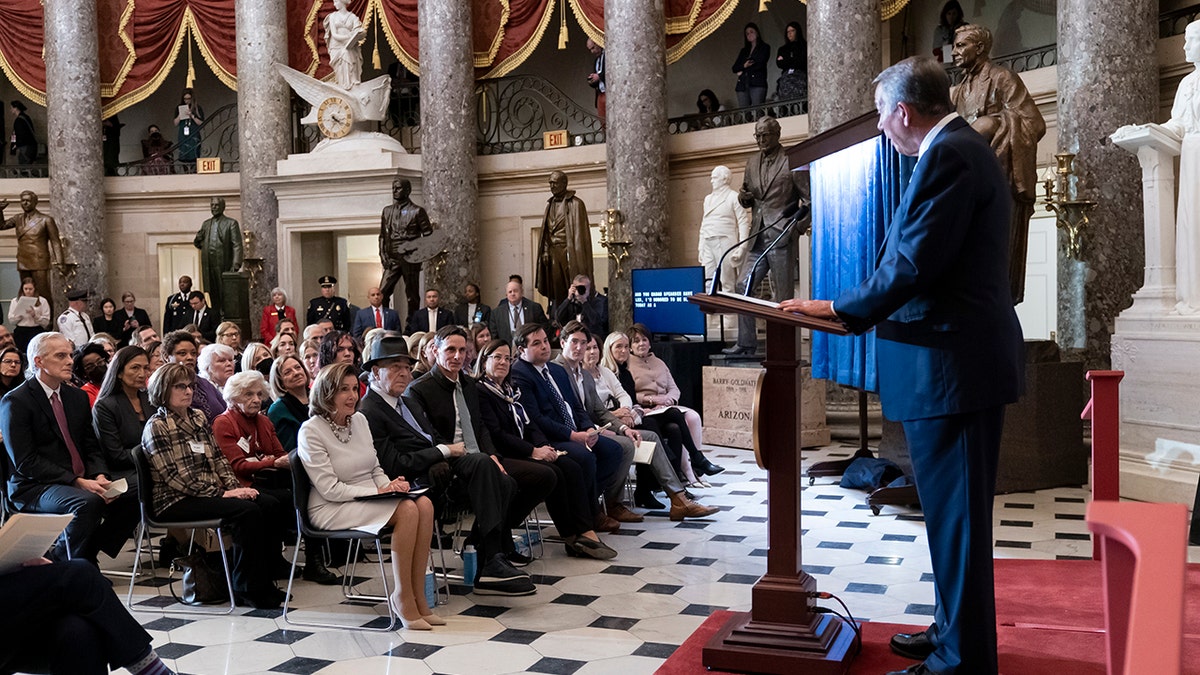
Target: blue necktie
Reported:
[(412, 421), (563, 410)]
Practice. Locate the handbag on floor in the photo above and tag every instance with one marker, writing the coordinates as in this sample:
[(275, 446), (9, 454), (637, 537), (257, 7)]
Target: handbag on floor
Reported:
[(203, 582)]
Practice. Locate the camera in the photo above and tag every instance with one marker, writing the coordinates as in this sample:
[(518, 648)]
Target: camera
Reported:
[(581, 289)]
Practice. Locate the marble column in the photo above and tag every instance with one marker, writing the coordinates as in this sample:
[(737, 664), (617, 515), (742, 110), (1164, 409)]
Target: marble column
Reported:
[(72, 141), (451, 181), (264, 119), (1107, 77), (844, 55), (636, 145)]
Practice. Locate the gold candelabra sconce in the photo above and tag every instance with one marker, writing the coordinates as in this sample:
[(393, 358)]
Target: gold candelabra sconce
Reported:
[(251, 265), (614, 236), (1061, 198), (67, 269)]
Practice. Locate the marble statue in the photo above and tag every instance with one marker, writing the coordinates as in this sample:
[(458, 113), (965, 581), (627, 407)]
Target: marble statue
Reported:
[(565, 248), (994, 100), (1184, 126), (344, 35), (403, 223), (724, 223), (38, 242), (220, 244)]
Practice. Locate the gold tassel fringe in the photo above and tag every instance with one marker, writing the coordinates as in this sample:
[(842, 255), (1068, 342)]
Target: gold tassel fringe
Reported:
[(191, 72), (375, 60), (762, 5), (562, 27)]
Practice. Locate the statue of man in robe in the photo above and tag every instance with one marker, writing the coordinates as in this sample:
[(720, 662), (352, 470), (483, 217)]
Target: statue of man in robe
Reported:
[(725, 221), (995, 102), (565, 249), (220, 244)]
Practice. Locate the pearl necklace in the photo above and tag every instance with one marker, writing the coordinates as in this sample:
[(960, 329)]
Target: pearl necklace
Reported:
[(342, 433)]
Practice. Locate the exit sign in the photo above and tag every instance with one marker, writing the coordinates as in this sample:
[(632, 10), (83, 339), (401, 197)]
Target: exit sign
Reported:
[(555, 139), (208, 165)]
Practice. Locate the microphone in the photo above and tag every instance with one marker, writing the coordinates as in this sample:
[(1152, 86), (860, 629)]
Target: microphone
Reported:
[(794, 214)]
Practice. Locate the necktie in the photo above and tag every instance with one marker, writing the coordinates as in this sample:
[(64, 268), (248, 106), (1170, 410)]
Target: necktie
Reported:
[(563, 410), (196, 319), (61, 416), (464, 419), (378, 318), (411, 419), (87, 328), (516, 317), (433, 320)]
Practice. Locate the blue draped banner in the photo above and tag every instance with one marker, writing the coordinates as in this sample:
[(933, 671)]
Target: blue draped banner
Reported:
[(854, 194)]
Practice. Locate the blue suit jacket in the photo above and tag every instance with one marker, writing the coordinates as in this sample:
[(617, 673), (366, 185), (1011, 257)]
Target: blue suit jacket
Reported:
[(949, 340), (419, 320), (539, 402), (364, 320)]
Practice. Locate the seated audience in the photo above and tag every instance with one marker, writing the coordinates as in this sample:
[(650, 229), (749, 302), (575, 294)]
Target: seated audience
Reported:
[(310, 350), (180, 347), (278, 310), (122, 409), (247, 438), (216, 364), (339, 347), (154, 351), (55, 460), (575, 339), (657, 392), (144, 336), (478, 336), (193, 480), (336, 451), (572, 502), (407, 445), (88, 366), (550, 400), (284, 344), (289, 382), (65, 619), (230, 335), (107, 342), (256, 357), (10, 371)]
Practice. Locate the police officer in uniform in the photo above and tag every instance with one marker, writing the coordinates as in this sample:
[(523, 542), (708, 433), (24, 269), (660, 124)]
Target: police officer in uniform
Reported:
[(74, 324), (328, 306), (177, 311)]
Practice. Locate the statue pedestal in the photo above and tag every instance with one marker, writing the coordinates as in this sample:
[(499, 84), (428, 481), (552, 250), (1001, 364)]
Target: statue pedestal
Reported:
[(235, 293), (729, 400), (324, 196), (1158, 349)]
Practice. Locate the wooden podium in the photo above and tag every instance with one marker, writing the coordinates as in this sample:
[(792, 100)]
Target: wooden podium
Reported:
[(781, 633)]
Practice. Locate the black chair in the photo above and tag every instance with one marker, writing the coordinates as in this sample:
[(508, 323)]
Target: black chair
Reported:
[(150, 519), (301, 487)]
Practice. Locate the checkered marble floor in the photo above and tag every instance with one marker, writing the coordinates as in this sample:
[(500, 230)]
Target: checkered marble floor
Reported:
[(629, 614)]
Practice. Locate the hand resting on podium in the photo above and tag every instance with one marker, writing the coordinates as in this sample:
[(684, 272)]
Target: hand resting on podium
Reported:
[(819, 309)]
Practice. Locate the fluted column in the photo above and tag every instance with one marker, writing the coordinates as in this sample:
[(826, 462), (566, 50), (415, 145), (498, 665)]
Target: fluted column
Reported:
[(1107, 77), (72, 140), (263, 127), (635, 78), (451, 181), (844, 55)]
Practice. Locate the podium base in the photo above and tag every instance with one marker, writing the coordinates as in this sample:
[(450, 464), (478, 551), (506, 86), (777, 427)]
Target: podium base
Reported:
[(827, 647)]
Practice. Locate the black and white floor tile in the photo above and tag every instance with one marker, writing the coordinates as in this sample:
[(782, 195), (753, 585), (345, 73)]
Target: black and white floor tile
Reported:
[(626, 615)]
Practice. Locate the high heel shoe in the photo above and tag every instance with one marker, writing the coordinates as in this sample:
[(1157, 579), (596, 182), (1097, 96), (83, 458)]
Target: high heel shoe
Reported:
[(703, 467), (409, 624), (433, 619)]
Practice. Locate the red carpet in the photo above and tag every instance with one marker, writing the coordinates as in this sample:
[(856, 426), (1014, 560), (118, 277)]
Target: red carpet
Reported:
[(1049, 613)]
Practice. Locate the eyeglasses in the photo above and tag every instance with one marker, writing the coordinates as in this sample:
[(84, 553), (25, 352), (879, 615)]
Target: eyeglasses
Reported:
[(501, 358), (184, 387), (11, 362)]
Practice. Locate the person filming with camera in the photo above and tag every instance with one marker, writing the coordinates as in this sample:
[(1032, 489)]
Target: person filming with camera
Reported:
[(585, 305)]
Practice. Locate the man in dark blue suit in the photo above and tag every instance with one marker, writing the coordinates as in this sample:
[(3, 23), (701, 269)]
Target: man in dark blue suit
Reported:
[(374, 316), (950, 350), (549, 399), (431, 317)]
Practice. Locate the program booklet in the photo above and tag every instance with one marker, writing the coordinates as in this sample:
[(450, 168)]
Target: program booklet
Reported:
[(29, 535)]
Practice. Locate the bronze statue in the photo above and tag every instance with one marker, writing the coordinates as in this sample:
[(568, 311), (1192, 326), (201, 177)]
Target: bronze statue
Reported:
[(995, 102), (402, 224), (565, 249), (220, 244), (38, 243)]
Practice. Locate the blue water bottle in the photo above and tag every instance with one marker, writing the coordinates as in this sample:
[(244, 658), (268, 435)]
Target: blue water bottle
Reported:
[(430, 588), (470, 565)]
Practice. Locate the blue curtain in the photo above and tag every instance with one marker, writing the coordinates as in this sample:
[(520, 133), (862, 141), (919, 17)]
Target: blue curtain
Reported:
[(854, 194)]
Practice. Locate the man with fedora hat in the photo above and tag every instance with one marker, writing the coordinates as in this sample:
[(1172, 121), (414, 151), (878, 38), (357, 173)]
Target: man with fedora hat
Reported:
[(73, 323), (328, 306), (406, 444)]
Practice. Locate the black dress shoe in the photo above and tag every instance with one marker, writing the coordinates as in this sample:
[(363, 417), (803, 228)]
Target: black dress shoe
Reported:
[(704, 467), (737, 350), (915, 646), (916, 669), (645, 500), (316, 571)]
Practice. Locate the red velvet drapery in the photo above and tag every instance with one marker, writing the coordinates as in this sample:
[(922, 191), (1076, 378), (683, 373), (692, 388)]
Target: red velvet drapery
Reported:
[(141, 40)]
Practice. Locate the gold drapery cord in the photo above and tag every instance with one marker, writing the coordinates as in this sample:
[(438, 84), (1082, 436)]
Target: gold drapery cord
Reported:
[(562, 26)]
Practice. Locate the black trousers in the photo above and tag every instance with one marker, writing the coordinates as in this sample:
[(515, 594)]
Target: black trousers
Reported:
[(67, 619), (97, 526), (566, 500), (411, 274), (251, 528), (490, 494)]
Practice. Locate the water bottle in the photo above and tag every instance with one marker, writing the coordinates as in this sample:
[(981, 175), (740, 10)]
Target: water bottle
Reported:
[(470, 565), (430, 588)]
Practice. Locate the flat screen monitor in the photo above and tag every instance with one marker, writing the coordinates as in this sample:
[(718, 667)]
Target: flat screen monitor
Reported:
[(660, 300)]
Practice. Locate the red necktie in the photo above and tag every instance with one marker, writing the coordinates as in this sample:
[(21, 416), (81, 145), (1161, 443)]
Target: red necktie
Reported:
[(378, 318), (61, 416)]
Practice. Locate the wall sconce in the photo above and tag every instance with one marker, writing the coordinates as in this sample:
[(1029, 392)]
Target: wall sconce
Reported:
[(615, 237), (66, 268), (1070, 212)]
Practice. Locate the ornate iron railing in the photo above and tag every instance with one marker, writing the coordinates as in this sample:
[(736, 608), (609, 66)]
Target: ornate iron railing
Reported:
[(512, 113), (726, 118), (218, 138), (14, 170), (1030, 59)]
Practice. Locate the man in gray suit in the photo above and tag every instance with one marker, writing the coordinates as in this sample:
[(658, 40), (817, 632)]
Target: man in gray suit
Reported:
[(770, 189)]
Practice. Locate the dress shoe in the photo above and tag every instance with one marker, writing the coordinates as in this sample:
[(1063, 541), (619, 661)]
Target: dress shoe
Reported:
[(518, 559), (703, 466), (644, 499), (316, 571), (409, 624), (622, 514), (737, 350), (915, 669), (606, 524), (682, 507), (582, 547), (915, 646), (265, 598)]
